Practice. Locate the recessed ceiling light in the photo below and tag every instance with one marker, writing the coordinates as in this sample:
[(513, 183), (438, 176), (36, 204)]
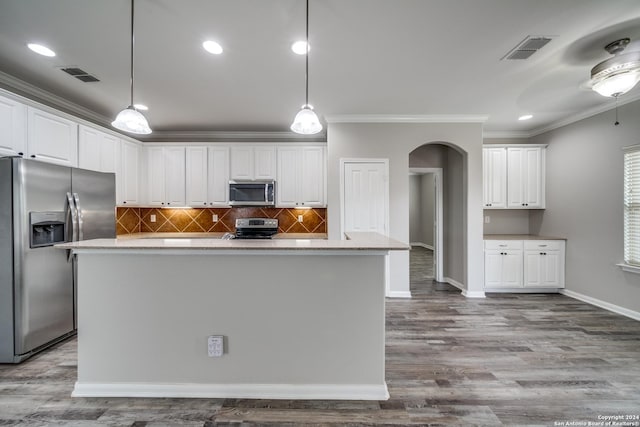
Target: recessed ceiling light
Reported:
[(212, 47), (525, 117), (42, 50), (141, 107), (300, 47)]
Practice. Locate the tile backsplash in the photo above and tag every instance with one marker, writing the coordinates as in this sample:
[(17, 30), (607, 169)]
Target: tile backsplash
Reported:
[(136, 220)]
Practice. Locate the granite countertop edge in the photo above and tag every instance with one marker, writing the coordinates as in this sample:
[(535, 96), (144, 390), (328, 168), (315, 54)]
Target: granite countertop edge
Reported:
[(520, 237)]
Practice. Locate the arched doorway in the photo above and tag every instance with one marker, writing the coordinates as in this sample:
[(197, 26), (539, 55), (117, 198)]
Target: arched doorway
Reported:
[(437, 221)]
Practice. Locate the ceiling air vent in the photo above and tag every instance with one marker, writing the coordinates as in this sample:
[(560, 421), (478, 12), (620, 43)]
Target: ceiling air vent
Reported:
[(80, 74), (527, 47)]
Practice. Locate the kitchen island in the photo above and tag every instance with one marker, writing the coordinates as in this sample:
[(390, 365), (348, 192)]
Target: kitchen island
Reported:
[(300, 318)]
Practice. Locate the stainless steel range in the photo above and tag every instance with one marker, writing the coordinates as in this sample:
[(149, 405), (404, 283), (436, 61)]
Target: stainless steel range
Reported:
[(256, 228)]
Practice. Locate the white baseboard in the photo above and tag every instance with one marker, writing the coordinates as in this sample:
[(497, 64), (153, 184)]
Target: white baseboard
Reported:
[(463, 288), (473, 294), (234, 391), (602, 304), (422, 245), (523, 290), (398, 294)]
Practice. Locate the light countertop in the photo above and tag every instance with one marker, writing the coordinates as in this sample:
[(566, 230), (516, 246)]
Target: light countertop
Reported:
[(520, 237), (179, 241), (205, 235)]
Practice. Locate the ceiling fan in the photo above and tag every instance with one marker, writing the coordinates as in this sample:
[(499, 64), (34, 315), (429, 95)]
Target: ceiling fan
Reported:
[(617, 75)]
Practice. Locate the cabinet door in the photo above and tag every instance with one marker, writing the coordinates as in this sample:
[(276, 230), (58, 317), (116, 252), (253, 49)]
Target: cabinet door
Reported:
[(156, 177), (51, 138), (13, 127), (196, 176), (543, 269), (109, 153), (175, 176), (525, 175), (218, 176), (89, 141), (533, 177), (494, 162), (264, 162), (288, 180), (128, 177), (241, 163), (312, 177), (503, 268)]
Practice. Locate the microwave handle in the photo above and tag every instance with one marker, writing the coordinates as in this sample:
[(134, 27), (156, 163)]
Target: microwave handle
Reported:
[(266, 193)]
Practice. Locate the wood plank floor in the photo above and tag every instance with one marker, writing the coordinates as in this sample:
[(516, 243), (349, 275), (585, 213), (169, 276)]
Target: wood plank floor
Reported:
[(534, 360)]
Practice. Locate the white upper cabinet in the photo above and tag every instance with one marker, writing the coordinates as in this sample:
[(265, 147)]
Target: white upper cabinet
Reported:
[(207, 176), (13, 127), (513, 177), (494, 162), (128, 178), (97, 150), (218, 176), (253, 162), (301, 177), (166, 176), (51, 138), (525, 175)]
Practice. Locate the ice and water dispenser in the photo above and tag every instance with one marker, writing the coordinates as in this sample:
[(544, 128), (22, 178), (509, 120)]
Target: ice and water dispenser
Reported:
[(46, 228)]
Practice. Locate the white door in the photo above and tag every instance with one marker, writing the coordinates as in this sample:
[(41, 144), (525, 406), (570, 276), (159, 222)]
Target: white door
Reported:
[(365, 196)]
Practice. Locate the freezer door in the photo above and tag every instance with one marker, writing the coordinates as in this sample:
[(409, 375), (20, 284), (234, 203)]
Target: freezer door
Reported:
[(95, 197), (43, 279)]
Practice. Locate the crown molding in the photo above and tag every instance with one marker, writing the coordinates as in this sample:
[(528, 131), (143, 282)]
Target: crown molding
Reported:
[(233, 136), (586, 114), (506, 134), (406, 118), (34, 93)]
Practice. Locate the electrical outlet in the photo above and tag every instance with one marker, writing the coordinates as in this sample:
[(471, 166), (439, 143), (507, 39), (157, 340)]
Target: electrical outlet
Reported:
[(300, 218), (487, 219), (153, 218), (215, 217), (215, 346)]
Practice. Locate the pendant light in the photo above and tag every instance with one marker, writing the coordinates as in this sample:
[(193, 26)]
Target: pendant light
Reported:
[(130, 119), (306, 121)]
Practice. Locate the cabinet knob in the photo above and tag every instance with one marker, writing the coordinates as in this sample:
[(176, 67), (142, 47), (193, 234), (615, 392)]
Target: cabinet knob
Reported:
[(302, 203), (124, 203), (162, 203), (33, 156), (21, 154), (168, 203)]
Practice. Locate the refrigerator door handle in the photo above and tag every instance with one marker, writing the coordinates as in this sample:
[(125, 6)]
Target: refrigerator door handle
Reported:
[(74, 217), (76, 199)]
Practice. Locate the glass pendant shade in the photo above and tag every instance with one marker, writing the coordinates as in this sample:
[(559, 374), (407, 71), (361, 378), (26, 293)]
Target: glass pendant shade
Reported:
[(617, 84), (306, 121), (130, 120)]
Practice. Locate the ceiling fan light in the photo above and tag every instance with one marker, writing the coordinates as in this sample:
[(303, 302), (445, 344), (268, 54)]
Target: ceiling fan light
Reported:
[(132, 121), (617, 84), (306, 121)]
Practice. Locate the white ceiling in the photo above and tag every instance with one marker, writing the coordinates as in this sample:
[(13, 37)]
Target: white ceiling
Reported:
[(383, 57)]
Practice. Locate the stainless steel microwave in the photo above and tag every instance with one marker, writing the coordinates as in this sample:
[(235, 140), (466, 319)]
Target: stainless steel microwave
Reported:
[(252, 193)]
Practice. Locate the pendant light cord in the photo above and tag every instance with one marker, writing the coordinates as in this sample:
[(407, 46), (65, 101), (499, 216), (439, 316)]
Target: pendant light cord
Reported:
[(132, 47), (306, 73)]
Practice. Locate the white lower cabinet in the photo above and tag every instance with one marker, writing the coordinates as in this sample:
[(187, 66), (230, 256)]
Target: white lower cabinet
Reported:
[(503, 264), (518, 264), (544, 264)]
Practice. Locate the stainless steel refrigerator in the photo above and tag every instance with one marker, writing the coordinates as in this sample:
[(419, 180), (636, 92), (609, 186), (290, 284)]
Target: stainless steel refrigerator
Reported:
[(43, 204)]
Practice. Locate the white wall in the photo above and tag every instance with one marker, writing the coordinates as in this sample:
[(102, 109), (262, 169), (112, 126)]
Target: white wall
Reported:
[(421, 208), (585, 203), (394, 141), (507, 221)]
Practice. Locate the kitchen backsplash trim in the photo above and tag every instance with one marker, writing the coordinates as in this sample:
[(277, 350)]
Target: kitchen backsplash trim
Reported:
[(131, 220)]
